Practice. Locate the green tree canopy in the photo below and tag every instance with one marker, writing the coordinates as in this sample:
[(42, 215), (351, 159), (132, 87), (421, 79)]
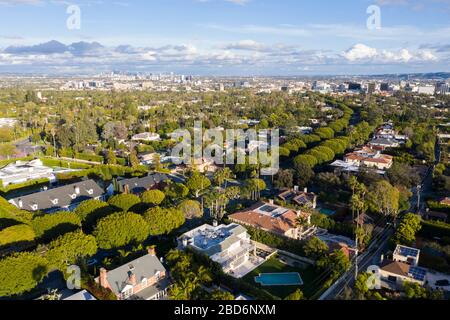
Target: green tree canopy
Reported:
[(361, 287), (51, 226), (120, 229), (322, 154), (197, 183), (306, 159), (303, 173), (337, 262), (219, 295), (154, 197), (325, 133), (384, 198), (67, 249), (7, 150), (191, 209), (253, 187), (176, 191), (221, 176), (15, 235), (296, 295), (284, 179), (315, 248), (284, 152), (407, 230), (91, 211), (414, 290), (124, 201), (21, 273), (163, 220)]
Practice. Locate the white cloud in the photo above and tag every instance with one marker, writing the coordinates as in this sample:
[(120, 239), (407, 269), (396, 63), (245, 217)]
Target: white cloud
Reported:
[(20, 2), (249, 45), (239, 2), (364, 54), (359, 52), (427, 55), (242, 55)]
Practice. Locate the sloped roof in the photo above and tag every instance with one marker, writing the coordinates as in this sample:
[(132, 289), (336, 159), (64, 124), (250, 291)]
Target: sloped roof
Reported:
[(395, 267), (300, 197), (81, 296), (383, 142), (137, 184), (144, 267), (65, 195), (279, 224)]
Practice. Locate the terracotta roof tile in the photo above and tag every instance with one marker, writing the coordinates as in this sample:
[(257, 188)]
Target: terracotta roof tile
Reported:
[(396, 267), (280, 224)]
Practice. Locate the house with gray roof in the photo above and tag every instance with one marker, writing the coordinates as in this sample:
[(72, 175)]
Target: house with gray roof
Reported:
[(301, 198), (383, 143), (139, 185), (142, 279), (81, 296), (65, 198), (228, 245)]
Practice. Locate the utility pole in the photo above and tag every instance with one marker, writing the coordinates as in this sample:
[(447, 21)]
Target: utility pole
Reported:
[(419, 189), (357, 245)]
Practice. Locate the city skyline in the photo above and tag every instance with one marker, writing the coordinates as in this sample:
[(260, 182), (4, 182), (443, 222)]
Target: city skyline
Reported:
[(225, 37)]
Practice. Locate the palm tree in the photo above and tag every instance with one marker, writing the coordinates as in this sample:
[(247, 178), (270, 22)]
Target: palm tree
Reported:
[(123, 255), (203, 275), (177, 293), (52, 295), (107, 262)]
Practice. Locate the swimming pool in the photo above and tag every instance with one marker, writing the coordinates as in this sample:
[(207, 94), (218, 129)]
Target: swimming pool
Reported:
[(279, 279), (326, 211)]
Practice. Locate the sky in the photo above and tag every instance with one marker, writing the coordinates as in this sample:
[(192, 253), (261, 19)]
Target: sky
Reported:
[(225, 37)]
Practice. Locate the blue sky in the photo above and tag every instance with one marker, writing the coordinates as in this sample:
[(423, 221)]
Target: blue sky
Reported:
[(227, 37)]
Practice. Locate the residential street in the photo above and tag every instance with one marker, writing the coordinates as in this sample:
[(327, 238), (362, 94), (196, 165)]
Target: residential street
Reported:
[(380, 243)]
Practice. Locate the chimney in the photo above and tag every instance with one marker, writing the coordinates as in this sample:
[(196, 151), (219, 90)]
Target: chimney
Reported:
[(103, 278), (215, 223), (152, 251), (20, 203), (271, 201), (132, 279), (295, 188), (305, 190), (77, 190)]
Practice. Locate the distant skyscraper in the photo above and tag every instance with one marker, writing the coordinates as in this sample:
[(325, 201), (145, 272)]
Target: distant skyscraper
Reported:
[(442, 88), (371, 88), (384, 86), (353, 86)]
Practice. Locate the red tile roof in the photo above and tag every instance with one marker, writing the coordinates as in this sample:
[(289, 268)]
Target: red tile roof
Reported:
[(279, 225), (396, 267)]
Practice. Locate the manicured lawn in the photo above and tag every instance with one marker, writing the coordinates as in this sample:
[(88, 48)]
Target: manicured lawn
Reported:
[(275, 266)]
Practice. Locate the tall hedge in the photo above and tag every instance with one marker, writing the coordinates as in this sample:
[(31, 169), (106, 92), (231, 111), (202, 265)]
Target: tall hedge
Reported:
[(15, 235), (121, 229), (21, 273), (431, 229), (51, 226)]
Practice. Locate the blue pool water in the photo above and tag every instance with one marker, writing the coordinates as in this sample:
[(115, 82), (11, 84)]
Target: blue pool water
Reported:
[(279, 279), (326, 211)]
